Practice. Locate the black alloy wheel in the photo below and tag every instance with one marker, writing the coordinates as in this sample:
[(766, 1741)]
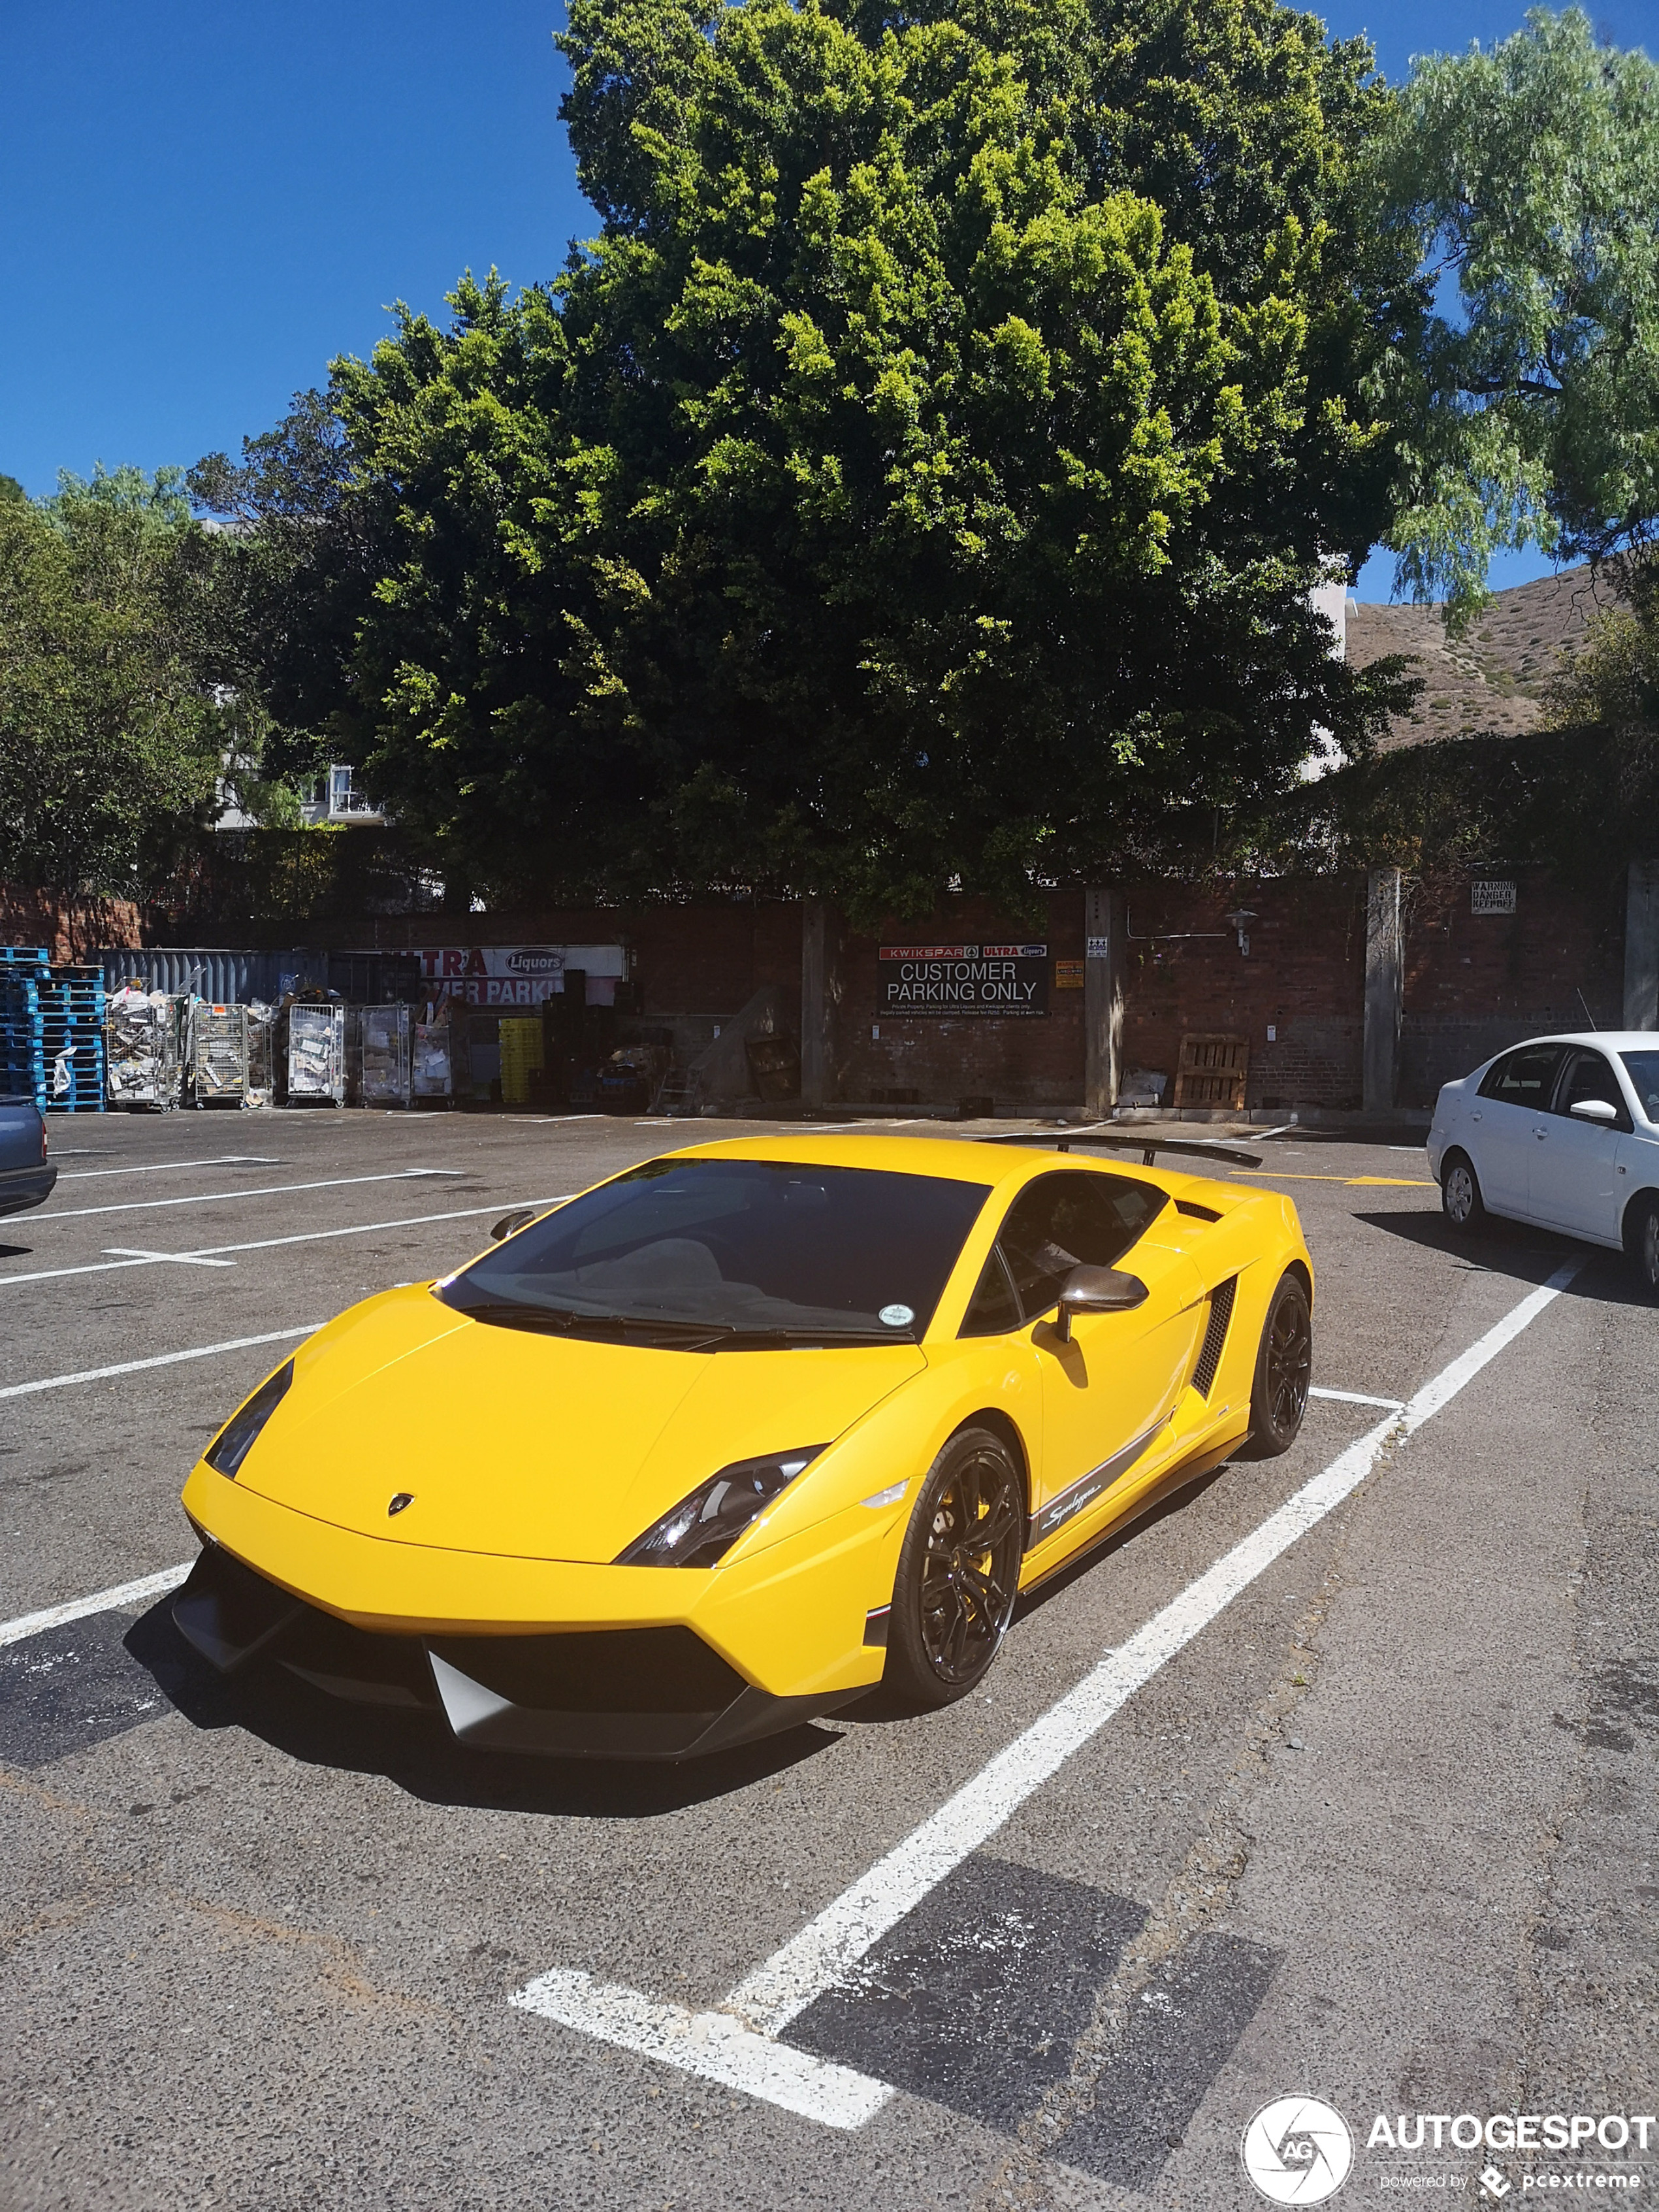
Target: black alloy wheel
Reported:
[(1284, 1367), (959, 1572), (1643, 1241), (1459, 1194)]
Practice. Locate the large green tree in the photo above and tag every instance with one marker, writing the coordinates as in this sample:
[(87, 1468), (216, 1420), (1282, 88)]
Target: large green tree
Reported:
[(108, 729), (922, 475), (1527, 176)]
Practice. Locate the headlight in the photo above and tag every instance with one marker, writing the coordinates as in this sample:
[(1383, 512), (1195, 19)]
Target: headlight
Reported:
[(235, 1440), (702, 1528)]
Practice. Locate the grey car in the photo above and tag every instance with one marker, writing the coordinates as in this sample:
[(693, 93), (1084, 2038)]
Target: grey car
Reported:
[(27, 1175)]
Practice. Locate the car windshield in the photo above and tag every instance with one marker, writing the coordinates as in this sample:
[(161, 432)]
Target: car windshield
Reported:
[(1644, 1068), (747, 1248)]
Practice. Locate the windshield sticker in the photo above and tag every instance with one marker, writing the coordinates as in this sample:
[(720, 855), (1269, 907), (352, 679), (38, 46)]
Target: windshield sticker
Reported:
[(896, 1316)]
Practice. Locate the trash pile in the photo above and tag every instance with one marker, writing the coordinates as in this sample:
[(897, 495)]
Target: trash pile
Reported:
[(378, 1055), (434, 1054)]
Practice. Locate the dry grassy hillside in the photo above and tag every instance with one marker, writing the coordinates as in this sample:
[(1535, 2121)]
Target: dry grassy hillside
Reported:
[(1494, 679)]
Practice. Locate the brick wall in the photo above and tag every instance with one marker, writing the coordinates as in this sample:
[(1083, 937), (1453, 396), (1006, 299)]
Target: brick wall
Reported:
[(1477, 982), (1302, 977), (69, 928), (1473, 983)]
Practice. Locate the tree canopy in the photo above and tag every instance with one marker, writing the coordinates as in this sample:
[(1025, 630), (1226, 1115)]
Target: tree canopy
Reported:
[(1527, 178), (107, 730), (920, 478)]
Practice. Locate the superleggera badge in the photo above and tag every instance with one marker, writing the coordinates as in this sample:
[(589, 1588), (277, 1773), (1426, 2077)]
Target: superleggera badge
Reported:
[(404, 1498)]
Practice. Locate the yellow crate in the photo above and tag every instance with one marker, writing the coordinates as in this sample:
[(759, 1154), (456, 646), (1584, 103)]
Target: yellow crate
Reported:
[(521, 1055)]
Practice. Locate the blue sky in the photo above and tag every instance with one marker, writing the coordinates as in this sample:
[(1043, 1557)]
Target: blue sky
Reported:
[(199, 205)]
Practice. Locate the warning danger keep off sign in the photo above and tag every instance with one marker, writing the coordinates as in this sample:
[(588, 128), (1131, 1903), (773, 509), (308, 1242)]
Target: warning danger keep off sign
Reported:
[(963, 978)]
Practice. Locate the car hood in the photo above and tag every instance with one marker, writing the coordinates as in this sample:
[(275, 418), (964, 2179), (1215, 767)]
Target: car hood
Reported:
[(539, 1447)]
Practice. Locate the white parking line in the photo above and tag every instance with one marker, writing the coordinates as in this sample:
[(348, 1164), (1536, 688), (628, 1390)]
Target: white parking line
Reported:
[(158, 1359), (77, 1609), (175, 1167), (210, 1252), (1356, 1398), (258, 1190), (735, 2044), (177, 1259)]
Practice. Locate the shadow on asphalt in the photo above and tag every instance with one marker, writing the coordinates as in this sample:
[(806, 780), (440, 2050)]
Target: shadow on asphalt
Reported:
[(413, 1750), (1526, 1254)]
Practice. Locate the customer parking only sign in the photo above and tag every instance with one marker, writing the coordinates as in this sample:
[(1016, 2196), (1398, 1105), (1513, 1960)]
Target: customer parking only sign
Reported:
[(962, 978)]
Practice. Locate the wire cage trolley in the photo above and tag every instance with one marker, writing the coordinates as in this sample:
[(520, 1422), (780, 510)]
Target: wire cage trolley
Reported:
[(144, 1047), (217, 1055), (379, 1068), (311, 1054)]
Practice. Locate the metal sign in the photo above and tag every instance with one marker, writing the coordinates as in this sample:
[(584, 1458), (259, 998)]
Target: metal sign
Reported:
[(951, 980), (1491, 898), (522, 975)]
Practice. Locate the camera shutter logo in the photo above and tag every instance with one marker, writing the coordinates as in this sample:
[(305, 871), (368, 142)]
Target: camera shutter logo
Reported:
[(1296, 2151)]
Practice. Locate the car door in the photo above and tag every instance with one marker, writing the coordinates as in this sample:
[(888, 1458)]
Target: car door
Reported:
[(1504, 1121), (1574, 1176), (1108, 1387)]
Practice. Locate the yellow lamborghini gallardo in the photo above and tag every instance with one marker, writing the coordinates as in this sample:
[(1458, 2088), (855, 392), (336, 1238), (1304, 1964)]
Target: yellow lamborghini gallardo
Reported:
[(730, 1437)]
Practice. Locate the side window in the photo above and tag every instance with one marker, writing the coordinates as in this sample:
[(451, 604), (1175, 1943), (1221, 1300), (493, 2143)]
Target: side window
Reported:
[(1590, 1077), (1526, 1078), (993, 1310), (1067, 1220)]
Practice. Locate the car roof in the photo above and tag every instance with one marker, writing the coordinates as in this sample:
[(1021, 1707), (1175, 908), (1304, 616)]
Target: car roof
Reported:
[(1601, 1040)]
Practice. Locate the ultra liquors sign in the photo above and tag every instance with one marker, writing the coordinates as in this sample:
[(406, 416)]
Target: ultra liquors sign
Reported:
[(946, 980)]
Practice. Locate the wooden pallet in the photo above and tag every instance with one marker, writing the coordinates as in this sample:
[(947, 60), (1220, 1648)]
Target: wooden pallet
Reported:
[(1214, 1072)]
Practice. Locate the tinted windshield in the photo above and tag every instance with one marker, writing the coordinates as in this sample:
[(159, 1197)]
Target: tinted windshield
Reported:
[(1644, 1075), (759, 1245)]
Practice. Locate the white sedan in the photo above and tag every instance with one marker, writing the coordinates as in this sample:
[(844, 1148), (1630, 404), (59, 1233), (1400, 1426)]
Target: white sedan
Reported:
[(1562, 1131)]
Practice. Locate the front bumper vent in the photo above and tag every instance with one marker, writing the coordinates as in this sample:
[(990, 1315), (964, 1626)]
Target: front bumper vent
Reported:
[(576, 1693)]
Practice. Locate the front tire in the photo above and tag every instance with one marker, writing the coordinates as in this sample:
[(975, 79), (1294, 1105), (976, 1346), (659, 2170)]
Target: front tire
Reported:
[(1642, 1242), (1284, 1367), (959, 1572), (1460, 1194)]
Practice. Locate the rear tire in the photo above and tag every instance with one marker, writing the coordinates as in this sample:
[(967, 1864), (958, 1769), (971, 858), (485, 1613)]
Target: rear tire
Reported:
[(1460, 1194), (1642, 1243), (959, 1572), (1284, 1365)]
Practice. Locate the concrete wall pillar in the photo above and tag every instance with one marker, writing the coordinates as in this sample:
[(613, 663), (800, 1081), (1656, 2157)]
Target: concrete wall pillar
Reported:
[(817, 1011), (1642, 946), (1385, 988), (1104, 970)]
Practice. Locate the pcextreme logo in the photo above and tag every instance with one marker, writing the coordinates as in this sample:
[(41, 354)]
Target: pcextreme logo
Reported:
[(1297, 2150)]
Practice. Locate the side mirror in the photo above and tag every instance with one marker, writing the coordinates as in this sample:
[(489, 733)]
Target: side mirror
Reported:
[(1097, 1289), (510, 1224), (1596, 1110)]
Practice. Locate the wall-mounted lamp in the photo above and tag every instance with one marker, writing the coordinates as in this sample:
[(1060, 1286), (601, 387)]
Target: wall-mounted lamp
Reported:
[(1240, 919)]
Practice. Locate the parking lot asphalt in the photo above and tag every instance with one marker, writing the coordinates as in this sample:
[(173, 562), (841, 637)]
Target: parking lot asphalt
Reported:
[(1379, 1832)]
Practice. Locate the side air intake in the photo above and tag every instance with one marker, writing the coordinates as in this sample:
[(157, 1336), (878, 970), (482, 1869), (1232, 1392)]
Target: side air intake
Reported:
[(1215, 1336)]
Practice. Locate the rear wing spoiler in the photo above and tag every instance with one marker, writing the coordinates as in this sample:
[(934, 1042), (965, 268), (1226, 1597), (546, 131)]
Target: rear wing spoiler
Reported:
[(1124, 1140)]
